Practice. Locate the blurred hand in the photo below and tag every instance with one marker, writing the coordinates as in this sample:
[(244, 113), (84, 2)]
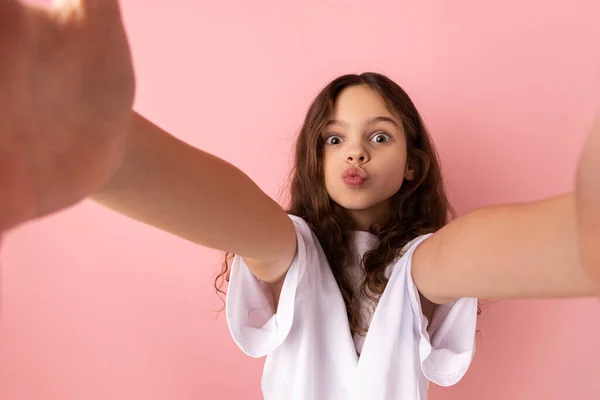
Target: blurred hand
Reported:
[(66, 93)]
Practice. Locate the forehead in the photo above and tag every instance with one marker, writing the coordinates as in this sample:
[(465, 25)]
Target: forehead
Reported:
[(359, 103)]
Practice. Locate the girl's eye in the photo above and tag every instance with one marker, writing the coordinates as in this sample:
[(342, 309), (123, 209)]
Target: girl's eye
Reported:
[(380, 138), (333, 139)]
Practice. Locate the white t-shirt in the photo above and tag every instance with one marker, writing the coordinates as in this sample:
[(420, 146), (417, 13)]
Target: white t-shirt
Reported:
[(311, 354)]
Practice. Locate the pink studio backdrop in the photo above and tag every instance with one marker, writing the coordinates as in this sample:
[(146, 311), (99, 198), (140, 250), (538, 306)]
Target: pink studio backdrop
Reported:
[(97, 306)]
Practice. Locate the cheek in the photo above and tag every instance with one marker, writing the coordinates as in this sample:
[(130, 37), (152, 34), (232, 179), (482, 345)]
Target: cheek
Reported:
[(330, 183), (394, 176), (329, 171), (391, 184)]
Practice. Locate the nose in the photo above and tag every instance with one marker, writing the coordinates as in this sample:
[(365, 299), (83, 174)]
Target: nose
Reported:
[(357, 155)]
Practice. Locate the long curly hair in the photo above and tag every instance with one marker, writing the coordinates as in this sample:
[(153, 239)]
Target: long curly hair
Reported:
[(419, 207)]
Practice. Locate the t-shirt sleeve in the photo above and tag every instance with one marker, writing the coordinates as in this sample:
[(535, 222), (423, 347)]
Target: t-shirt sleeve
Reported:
[(446, 351), (253, 324)]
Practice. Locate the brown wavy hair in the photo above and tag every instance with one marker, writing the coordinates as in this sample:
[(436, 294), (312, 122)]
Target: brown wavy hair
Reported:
[(419, 207)]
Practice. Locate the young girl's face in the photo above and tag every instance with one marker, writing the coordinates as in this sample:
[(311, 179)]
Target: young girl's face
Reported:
[(365, 157)]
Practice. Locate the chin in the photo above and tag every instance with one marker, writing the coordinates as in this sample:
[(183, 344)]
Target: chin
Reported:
[(358, 203)]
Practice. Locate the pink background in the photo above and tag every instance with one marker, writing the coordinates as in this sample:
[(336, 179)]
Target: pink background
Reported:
[(96, 306)]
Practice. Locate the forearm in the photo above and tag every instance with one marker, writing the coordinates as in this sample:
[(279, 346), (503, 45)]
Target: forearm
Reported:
[(192, 194), (588, 204)]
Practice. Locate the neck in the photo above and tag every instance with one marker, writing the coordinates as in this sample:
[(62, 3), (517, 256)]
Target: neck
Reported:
[(364, 219)]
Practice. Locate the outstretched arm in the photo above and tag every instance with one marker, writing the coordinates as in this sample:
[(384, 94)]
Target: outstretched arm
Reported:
[(175, 187), (66, 90), (528, 250), (67, 128)]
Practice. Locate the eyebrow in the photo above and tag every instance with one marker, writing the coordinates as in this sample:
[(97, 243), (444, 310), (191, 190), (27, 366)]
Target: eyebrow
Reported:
[(370, 121)]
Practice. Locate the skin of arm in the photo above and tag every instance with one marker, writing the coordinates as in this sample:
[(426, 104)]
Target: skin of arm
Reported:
[(546, 248), (175, 187)]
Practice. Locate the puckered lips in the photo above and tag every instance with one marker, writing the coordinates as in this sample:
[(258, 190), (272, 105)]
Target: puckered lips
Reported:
[(355, 177)]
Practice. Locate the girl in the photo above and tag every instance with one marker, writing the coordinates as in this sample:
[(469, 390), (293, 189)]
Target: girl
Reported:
[(362, 289)]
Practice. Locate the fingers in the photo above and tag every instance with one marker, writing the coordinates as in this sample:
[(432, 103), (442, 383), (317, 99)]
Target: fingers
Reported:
[(100, 5), (98, 18), (88, 8)]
